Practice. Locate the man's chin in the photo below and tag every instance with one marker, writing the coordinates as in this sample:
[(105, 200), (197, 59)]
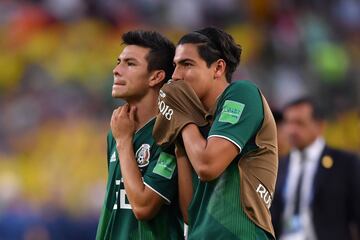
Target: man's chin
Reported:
[(117, 95)]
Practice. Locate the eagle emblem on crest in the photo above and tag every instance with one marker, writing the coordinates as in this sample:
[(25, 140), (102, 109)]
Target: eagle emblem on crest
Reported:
[(142, 155)]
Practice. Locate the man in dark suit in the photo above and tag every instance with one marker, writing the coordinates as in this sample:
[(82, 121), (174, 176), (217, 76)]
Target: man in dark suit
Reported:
[(317, 190)]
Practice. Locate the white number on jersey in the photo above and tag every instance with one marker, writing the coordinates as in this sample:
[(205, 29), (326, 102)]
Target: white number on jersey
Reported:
[(166, 111), (123, 204)]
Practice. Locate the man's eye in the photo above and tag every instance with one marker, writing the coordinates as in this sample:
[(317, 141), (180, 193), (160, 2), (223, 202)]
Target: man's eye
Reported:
[(187, 64), (131, 64)]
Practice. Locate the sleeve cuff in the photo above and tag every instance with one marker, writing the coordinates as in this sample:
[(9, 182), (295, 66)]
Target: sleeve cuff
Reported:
[(230, 140), (165, 198)]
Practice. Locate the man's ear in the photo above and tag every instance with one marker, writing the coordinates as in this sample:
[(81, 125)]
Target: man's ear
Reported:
[(220, 67), (156, 77)]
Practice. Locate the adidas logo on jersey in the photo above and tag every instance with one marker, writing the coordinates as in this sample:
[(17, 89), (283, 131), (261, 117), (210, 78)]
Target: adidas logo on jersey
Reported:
[(113, 157)]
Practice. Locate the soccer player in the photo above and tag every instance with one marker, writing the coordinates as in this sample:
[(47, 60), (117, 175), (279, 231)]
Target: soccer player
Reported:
[(236, 164), (141, 194)]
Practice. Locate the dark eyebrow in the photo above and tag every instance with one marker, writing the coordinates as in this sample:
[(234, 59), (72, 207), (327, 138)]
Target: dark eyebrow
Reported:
[(128, 59), (182, 61)]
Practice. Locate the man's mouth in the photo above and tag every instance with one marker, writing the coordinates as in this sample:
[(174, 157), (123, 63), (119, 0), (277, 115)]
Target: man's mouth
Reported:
[(119, 83)]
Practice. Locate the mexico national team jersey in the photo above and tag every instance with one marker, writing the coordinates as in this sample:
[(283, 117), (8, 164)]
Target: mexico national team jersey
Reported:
[(158, 168), (217, 210)]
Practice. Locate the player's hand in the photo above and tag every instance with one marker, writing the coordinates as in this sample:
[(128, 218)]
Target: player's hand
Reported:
[(123, 124)]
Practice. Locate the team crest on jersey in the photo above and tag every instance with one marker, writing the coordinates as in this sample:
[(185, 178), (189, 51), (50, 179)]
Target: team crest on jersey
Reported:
[(143, 155)]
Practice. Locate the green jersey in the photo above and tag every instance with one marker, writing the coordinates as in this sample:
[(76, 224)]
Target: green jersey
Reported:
[(216, 210), (158, 168)]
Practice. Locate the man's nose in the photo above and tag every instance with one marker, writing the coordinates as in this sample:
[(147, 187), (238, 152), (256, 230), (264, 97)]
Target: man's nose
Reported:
[(116, 70), (176, 75)]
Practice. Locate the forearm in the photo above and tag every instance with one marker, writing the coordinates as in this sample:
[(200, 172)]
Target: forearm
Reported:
[(134, 185), (209, 157), (196, 148), (145, 203), (185, 184)]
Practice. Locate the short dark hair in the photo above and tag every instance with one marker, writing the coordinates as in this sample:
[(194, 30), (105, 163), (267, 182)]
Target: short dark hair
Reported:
[(162, 50), (317, 111), (214, 44)]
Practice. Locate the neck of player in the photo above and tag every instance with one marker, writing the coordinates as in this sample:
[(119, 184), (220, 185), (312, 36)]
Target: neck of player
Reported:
[(213, 94), (146, 109)]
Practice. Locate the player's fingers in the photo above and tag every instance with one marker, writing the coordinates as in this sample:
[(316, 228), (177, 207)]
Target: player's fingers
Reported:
[(132, 113), (113, 117), (124, 109), (115, 113), (118, 109)]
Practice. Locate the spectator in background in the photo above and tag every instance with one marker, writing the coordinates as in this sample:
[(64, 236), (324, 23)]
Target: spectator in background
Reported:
[(317, 192), (283, 141), (140, 201)]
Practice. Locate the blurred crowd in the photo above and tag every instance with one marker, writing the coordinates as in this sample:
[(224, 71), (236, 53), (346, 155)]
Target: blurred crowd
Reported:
[(56, 60)]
